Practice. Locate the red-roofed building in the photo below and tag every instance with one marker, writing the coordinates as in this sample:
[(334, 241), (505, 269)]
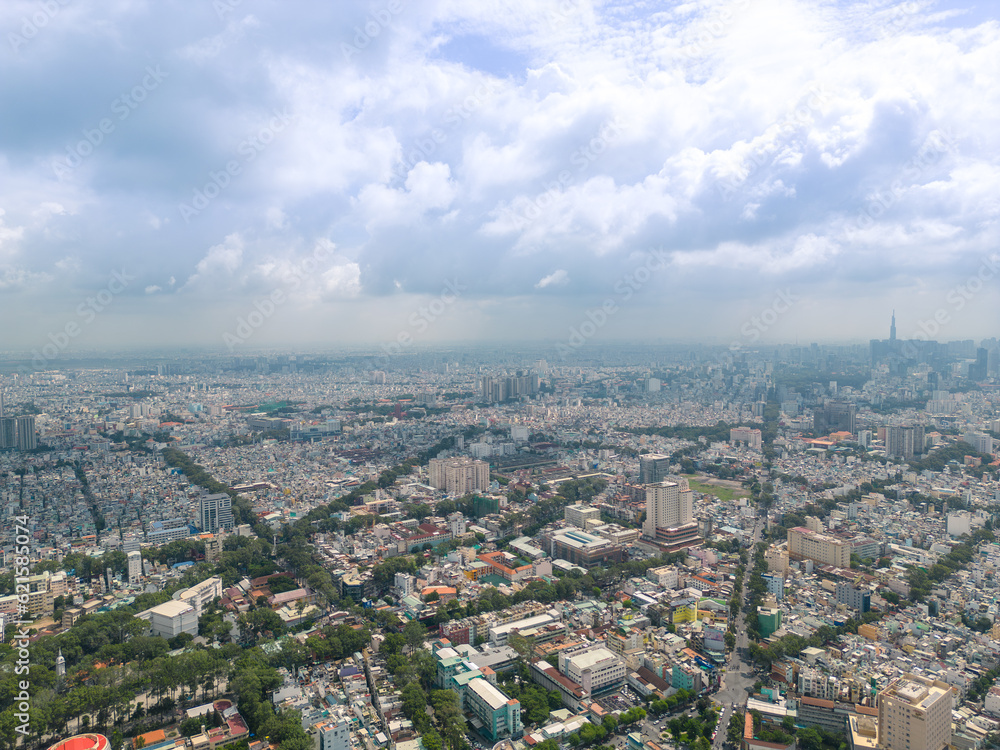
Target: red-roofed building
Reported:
[(83, 742)]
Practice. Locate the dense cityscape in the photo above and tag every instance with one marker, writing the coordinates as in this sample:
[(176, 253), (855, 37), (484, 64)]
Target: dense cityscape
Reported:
[(499, 375), (642, 547)]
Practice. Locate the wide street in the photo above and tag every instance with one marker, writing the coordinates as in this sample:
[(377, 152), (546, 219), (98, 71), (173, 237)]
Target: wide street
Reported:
[(739, 676)]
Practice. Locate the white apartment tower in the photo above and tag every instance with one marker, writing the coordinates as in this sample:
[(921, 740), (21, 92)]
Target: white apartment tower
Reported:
[(669, 504), (914, 713), (459, 476), (134, 566)]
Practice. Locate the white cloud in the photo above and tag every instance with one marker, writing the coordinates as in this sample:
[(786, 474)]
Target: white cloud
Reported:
[(557, 278), (468, 136), (220, 262)]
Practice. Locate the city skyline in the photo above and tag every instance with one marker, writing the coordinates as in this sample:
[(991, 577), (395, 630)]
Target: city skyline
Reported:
[(256, 176)]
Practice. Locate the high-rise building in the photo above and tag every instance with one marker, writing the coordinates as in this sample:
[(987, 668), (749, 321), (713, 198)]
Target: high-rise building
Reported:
[(978, 369), (458, 476), (904, 441), (495, 390), (8, 433), (670, 514), (752, 437), (914, 713), (653, 467), (134, 566), (215, 512), (26, 438), (982, 442), (857, 599), (835, 416), (804, 544)]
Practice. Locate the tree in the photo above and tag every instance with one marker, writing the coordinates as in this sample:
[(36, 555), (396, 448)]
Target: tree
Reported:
[(415, 633), (523, 646), (393, 644), (810, 739)]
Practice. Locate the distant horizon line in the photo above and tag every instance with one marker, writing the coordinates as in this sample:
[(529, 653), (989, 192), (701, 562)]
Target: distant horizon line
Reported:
[(378, 347)]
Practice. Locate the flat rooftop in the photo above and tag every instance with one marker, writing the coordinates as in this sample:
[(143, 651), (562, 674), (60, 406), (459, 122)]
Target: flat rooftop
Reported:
[(490, 694)]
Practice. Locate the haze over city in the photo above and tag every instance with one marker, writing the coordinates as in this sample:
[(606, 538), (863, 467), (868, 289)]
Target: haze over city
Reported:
[(505, 167)]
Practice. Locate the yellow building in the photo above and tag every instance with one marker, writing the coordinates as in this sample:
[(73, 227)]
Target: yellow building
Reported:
[(914, 713), (804, 544), (871, 632)]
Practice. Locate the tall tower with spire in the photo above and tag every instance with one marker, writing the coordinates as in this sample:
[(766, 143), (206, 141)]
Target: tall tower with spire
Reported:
[(60, 665), (892, 328)]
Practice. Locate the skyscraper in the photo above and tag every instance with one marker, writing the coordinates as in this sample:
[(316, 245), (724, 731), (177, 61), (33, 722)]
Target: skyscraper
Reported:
[(670, 514), (904, 441), (914, 713), (892, 327), (835, 416), (979, 369), (134, 566), (215, 512), (653, 467), (8, 433), (26, 439)]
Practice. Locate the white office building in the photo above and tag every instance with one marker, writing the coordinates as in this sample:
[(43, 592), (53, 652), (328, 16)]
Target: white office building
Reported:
[(595, 670), (215, 512), (134, 566), (170, 619), (200, 595)]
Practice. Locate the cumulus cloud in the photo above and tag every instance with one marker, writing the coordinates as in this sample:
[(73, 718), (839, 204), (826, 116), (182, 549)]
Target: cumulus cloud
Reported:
[(849, 148), (556, 278)]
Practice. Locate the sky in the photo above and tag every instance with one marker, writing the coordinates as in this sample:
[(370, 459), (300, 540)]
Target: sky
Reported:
[(253, 173)]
